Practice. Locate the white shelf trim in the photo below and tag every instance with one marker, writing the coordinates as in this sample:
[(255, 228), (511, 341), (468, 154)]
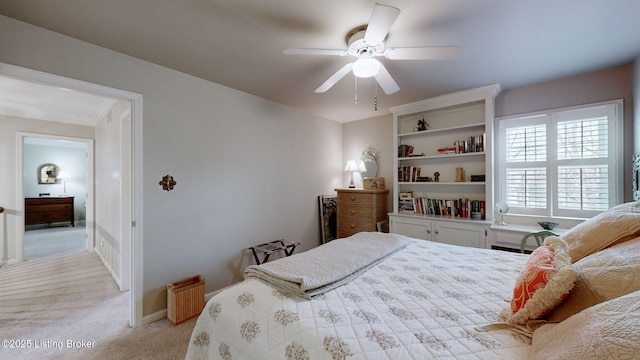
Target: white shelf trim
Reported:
[(449, 129), (440, 156), (457, 183)]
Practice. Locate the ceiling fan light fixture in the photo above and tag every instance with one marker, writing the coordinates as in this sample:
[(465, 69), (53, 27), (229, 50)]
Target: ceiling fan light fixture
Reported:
[(366, 67)]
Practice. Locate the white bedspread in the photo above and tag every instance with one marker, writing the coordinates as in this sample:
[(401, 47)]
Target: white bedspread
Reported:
[(428, 300)]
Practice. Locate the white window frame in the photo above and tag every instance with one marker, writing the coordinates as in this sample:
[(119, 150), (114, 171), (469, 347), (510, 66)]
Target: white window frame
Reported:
[(614, 111)]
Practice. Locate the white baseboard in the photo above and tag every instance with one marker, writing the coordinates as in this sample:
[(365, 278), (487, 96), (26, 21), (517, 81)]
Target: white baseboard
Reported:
[(158, 315), (108, 267)]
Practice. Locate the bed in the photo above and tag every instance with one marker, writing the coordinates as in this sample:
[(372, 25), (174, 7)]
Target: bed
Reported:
[(425, 300)]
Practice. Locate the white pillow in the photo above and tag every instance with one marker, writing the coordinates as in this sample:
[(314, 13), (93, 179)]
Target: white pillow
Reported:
[(614, 226), (609, 330), (602, 276)]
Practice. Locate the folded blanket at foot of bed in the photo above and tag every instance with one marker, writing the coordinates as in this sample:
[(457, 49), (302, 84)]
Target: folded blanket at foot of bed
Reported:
[(328, 266)]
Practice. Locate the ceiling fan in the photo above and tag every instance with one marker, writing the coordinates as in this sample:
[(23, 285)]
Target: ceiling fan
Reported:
[(365, 43)]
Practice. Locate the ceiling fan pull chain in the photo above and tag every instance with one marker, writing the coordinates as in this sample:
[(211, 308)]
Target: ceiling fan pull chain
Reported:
[(375, 96), (355, 95)]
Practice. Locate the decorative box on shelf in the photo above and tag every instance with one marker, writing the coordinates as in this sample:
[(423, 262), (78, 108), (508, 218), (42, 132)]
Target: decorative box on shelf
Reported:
[(373, 183)]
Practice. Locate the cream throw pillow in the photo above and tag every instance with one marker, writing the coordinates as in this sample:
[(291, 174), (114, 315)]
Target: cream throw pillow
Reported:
[(616, 225), (602, 276), (610, 330)]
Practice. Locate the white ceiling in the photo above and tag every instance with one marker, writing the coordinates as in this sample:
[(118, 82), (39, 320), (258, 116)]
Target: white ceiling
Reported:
[(43, 102), (239, 43)]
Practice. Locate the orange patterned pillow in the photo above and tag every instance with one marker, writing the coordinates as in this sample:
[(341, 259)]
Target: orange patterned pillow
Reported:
[(545, 280)]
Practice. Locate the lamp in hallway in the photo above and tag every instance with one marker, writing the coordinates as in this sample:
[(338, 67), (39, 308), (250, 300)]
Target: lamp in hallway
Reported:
[(64, 175), (354, 166)]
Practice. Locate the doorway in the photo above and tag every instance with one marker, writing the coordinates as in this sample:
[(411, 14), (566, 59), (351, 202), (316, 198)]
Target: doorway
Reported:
[(130, 256), (56, 201)]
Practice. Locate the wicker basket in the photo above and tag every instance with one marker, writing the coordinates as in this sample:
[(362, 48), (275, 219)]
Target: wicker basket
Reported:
[(185, 299)]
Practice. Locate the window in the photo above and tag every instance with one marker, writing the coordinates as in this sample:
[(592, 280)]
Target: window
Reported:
[(561, 163)]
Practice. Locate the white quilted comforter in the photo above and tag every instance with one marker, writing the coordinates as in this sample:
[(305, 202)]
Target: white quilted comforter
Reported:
[(427, 301)]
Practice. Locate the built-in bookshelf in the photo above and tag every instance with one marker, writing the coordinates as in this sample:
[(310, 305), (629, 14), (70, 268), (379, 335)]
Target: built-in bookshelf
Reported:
[(444, 157)]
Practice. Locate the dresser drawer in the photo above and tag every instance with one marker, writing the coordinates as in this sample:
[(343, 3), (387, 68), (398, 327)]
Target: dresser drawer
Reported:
[(355, 211), (353, 199), (351, 225), (47, 216), (47, 208)]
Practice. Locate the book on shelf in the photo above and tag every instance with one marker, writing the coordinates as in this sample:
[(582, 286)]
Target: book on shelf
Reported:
[(408, 173), (473, 144), (405, 195), (458, 208), (405, 150), (405, 202)]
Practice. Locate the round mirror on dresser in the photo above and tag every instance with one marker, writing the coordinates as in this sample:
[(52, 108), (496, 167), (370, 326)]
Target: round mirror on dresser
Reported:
[(370, 163)]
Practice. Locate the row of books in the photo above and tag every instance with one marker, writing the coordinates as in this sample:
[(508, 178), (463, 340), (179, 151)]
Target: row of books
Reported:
[(409, 173), (471, 145), (460, 208)]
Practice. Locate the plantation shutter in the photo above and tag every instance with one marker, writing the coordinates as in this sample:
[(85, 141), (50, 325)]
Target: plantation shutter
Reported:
[(583, 161), (525, 156), (563, 163)]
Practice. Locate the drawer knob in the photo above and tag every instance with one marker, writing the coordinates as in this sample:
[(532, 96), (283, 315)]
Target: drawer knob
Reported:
[(353, 226), (353, 198), (352, 212)]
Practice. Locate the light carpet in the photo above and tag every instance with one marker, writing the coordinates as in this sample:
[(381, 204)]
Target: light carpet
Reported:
[(69, 307), (48, 240)]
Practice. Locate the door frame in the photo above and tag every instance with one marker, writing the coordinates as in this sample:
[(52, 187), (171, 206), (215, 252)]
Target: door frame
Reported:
[(89, 162), (136, 163)]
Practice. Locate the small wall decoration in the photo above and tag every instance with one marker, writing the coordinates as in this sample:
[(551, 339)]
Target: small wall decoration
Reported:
[(167, 182)]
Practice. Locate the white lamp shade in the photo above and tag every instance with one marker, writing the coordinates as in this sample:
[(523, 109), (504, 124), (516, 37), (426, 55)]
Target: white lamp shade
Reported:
[(365, 67), (352, 166)]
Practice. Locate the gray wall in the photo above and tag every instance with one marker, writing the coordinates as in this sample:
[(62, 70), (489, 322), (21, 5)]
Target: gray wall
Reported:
[(611, 84), (248, 170)]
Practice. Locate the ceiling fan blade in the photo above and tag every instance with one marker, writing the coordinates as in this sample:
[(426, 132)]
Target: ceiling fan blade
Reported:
[(382, 18), (386, 82), (334, 78), (315, 52), (423, 53)]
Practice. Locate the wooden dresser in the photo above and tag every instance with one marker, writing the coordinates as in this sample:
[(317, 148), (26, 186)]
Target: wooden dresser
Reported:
[(360, 210), (47, 210)]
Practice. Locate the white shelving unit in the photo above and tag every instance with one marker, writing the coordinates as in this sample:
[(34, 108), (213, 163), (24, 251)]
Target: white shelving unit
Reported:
[(451, 118)]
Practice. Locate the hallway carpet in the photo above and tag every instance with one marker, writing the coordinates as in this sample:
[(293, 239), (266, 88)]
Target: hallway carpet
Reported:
[(69, 307), (44, 241)]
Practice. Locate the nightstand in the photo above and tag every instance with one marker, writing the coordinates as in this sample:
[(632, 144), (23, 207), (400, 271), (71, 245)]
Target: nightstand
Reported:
[(360, 210)]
